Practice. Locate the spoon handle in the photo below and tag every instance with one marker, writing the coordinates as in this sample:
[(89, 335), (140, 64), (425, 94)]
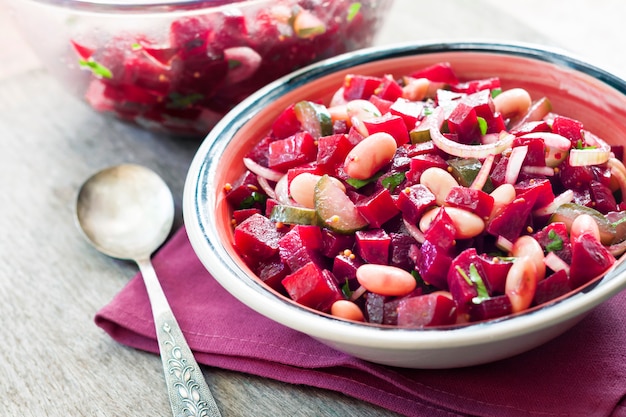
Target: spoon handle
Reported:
[(188, 391)]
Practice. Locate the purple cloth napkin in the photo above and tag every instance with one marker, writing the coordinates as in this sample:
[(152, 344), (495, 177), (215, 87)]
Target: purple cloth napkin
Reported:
[(581, 373)]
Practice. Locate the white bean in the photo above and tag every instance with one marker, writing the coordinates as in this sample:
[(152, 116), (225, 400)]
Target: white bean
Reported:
[(521, 283), (513, 102), (527, 246), (370, 155), (439, 182), (584, 223), (347, 310), (385, 279), (466, 224), (502, 196), (302, 189)]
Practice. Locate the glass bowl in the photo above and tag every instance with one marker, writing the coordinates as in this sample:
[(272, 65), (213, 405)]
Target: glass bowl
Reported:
[(177, 66)]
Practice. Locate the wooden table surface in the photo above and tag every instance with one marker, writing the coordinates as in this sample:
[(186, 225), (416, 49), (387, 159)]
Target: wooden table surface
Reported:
[(55, 361)]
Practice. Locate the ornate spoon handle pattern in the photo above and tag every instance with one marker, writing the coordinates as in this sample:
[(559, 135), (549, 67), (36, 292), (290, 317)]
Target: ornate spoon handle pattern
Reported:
[(188, 391)]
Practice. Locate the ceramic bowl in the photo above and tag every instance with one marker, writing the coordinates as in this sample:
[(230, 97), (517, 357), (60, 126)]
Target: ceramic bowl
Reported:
[(577, 89), (177, 66)]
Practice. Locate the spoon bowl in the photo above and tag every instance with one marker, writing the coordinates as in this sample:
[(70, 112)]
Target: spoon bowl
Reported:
[(127, 212)]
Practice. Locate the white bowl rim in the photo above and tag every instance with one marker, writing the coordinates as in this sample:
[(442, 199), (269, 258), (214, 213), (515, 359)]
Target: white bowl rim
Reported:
[(197, 202)]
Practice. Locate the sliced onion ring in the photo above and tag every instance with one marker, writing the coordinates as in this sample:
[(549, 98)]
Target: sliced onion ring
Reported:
[(599, 154), (460, 149), (262, 171)]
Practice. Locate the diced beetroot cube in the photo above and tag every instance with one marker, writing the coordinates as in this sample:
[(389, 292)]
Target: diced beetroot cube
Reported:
[(241, 190), (553, 286), (567, 127), (498, 171), (259, 152), (491, 308), (441, 231), (575, 177), (481, 102), (374, 308), (332, 151), (378, 208), (474, 86), (589, 259), (476, 201), (344, 269), (388, 123), (389, 89), (381, 104), (143, 72), (400, 246), (555, 238), (538, 189), (190, 35), (531, 127), (423, 148), (290, 152), (536, 155), (441, 72), (241, 215), (300, 246), (313, 287), (513, 218), (354, 136), (410, 111), (270, 203), (310, 168), (286, 124), (435, 309), (272, 271), (432, 264), (463, 123), (421, 163), (413, 201), (356, 86), (334, 243), (463, 290), (603, 198), (257, 237), (496, 270), (373, 245)]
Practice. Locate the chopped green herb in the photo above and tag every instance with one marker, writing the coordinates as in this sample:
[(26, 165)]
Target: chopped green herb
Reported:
[(482, 124), (252, 200), (555, 243), (345, 289), (353, 10), (233, 63), (474, 279), (618, 222), (96, 68), (178, 101), (495, 92), (135, 46), (480, 285), (393, 181), (362, 183)]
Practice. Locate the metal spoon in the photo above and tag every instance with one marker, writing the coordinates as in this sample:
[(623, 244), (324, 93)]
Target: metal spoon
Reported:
[(127, 212)]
